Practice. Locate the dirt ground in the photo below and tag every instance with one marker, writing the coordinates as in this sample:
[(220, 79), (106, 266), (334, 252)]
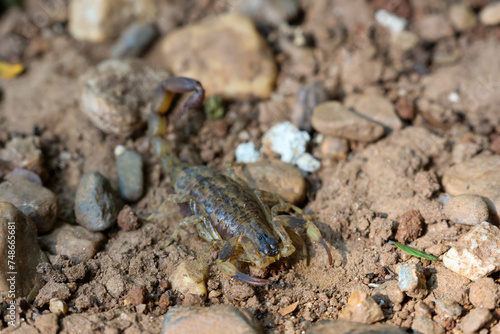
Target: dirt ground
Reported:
[(357, 200)]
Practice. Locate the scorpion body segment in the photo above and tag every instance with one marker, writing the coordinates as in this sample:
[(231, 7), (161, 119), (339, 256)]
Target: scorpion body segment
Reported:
[(247, 224)]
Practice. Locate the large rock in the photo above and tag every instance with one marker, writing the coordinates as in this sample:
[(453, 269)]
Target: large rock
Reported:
[(19, 254), (226, 54)]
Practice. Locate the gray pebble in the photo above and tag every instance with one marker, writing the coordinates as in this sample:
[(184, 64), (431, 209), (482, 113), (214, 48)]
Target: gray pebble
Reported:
[(134, 40), (412, 280), (308, 98), (466, 209), (269, 12), (130, 175), (27, 254), (35, 201), (96, 205)]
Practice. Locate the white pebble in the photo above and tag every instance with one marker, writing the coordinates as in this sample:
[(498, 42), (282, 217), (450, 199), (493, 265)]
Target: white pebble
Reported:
[(287, 140), (246, 152), (394, 23), (119, 149), (308, 163)]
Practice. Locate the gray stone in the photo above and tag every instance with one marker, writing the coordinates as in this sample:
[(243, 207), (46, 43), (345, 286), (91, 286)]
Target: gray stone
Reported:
[(308, 98), (269, 12), (134, 40), (19, 245), (412, 280), (39, 203), (96, 205), (130, 175)]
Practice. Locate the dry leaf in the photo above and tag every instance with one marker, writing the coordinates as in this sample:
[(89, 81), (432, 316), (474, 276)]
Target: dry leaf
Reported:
[(289, 309)]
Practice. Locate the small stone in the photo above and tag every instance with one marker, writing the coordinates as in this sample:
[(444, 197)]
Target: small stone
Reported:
[(165, 301), (246, 153), (479, 175), (96, 205), (412, 280), (189, 278), (226, 54), (100, 20), (394, 23), (401, 8), (348, 327), (24, 153), (389, 292), (27, 255), (405, 40), (466, 209), (130, 175), (362, 308), (27, 174), (308, 98), (277, 177), (405, 109), (448, 309), (116, 93), (422, 310), (134, 40), (72, 241), (58, 306), (215, 319), (490, 14), (136, 296), (426, 326), (332, 118), (484, 293), (376, 108), (411, 226), (475, 320), (462, 17), (476, 254), (286, 140), (35, 201), (127, 219), (433, 27), (334, 148), (307, 163), (269, 12), (50, 291)]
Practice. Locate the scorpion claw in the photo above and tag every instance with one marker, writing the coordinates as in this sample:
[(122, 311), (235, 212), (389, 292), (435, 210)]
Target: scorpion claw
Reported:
[(323, 243), (250, 279)]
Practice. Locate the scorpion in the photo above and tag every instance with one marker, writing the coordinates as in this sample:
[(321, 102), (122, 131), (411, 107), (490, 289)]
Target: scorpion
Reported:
[(247, 225)]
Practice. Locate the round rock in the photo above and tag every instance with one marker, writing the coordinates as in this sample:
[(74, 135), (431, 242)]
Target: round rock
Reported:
[(226, 54), (462, 17), (376, 108), (130, 175), (18, 230), (96, 205), (466, 209), (333, 119), (117, 92), (490, 15)]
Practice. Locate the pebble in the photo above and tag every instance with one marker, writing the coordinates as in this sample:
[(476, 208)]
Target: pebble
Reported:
[(376, 108), (286, 140), (101, 20), (246, 153), (425, 325), (412, 280), (349, 327), (333, 119), (189, 278), (27, 174), (72, 241), (389, 291), (475, 320), (479, 175), (127, 219), (405, 40), (462, 17), (484, 293), (362, 308), (448, 309), (394, 23), (308, 98), (130, 175), (58, 306), (96, 205), (35, 201), (490, 14), (269, 12), (405, 109), (334, 148), (307, 163), (225, 53), (476, 254), (116, 93), (134, 40), (466, 209), (277, 177), (215, 319), (24, 153), (27, 254), (433, 27), (411, 226)]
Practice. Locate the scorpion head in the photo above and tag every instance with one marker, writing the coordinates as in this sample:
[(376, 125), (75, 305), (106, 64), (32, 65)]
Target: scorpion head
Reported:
[(268, 244)]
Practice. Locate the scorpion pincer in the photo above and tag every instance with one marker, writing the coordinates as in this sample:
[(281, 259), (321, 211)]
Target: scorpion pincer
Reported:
[(248, 225)]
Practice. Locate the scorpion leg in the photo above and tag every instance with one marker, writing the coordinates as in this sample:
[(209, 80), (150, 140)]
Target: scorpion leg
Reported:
[(187, 221), (227, 251), (164, 94)]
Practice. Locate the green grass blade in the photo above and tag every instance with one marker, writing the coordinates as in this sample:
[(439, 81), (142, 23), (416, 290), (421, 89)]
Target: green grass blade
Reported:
[(415, 252)]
